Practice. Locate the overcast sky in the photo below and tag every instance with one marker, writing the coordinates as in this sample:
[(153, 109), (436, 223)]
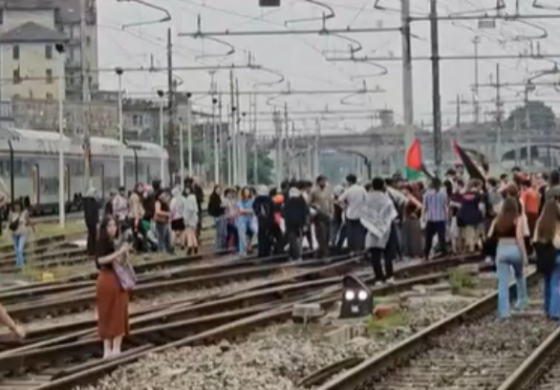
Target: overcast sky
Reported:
[(302, 59)]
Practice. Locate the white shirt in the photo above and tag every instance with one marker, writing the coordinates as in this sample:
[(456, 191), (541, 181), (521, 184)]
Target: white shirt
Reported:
[(353, 198)]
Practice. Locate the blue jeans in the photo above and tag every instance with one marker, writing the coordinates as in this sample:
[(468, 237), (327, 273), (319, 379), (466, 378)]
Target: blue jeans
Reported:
[(164, 237), (220, 225), (508, 257), (244, 224), (552, 292), (19, 246)]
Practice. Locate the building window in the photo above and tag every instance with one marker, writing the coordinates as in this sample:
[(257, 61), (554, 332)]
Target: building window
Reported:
[(17, 76), (15, 52), (88, 40), (49, 75), (137, 120), (49, 96), (48, 52)]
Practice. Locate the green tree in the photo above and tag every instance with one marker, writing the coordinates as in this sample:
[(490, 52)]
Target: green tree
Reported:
[(541, 116), (265, 168)]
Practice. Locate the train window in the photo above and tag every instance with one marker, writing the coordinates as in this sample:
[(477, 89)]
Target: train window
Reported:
[(17, 166), (49, 185), (128, 169)]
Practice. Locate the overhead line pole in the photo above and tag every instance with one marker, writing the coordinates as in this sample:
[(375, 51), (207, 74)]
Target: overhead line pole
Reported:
[(84, 77), (436, 97)]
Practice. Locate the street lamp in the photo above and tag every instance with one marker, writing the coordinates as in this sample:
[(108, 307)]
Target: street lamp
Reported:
[(119, 72), (61, 204), (160, 94)]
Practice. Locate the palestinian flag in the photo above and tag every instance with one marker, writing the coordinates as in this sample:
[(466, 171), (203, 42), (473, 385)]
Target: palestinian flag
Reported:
[(472, 168), (414, 164)]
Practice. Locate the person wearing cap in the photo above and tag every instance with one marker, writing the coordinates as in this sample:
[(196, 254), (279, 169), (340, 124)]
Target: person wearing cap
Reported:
[(321, 204)]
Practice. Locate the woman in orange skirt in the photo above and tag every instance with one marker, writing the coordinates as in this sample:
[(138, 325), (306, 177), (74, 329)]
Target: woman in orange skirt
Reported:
[(111, 299)]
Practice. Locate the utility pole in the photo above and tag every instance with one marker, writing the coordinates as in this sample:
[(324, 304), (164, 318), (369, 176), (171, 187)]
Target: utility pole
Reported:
[(284, 148), (529, 146), (231, 156), (172, 108), (408, 95), (277, 120), (458, 118), (498, 116), (316, 152), (84, 78), (255, 140), (436, 98), (476, 105), (236, 134), (215, 135)]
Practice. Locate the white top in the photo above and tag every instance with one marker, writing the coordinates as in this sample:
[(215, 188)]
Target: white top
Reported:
[(22, 225), (353, 198)]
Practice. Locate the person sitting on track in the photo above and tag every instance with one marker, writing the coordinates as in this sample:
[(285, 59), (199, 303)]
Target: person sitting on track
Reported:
[(111, 299)]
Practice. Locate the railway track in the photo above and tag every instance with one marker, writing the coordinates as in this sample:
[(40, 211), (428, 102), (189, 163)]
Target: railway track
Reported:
[(59, 254), (76, 357), (150, 271), (77, 310), (540, 370), (469, 350)]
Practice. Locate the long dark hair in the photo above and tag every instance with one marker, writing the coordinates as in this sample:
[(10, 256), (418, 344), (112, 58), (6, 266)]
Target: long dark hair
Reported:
[(546, 225), (103, 240), (508, 215)]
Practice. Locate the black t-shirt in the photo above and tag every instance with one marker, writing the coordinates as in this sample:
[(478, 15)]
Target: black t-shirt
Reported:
[(104, 249)]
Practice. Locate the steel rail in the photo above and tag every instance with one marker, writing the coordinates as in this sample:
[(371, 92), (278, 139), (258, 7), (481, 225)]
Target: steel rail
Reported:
[(371, 367), (536, 365), (230, 330)]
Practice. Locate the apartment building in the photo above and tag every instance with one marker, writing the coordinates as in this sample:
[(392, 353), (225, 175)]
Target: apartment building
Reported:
[(29, 31), (30, 66)]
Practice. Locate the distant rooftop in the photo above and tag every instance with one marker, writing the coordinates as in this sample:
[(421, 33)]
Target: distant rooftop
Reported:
[(28, 4), (31, 32)]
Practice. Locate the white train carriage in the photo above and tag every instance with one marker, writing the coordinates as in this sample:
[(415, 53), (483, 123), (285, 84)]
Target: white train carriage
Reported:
[(29, 167), (149, 161)]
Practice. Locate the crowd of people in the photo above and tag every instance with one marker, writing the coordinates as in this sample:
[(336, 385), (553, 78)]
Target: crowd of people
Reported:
[(509, 219)]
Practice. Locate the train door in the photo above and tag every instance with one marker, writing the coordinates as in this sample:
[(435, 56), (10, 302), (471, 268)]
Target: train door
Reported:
[(102, 173), (35, 199), (67, 186)]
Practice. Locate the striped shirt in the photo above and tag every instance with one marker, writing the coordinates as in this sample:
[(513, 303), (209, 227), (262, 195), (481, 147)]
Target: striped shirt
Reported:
[(435, 205)]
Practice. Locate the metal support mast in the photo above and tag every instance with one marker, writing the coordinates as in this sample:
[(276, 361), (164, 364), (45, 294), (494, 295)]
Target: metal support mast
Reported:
[(528, 129), (498, 116), (476, 92), (215, 134), (316, 151), (436, 98), (255, 145), (408, 94), (236, 130), (171, 89), (84, 78), (285, 141)]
